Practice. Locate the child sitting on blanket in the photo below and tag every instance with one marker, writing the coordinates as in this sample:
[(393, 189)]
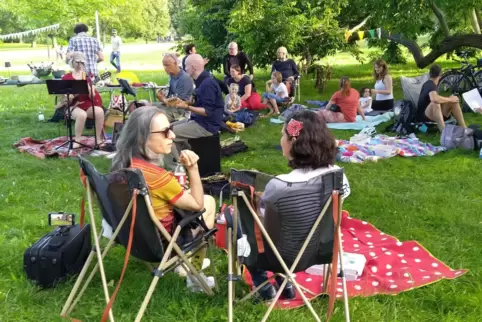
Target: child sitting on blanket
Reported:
[(366, 99), (232, 102), (276, 93)]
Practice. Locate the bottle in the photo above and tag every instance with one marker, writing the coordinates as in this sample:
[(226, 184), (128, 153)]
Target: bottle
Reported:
[(480, 154), (41, 117), (180, 174)]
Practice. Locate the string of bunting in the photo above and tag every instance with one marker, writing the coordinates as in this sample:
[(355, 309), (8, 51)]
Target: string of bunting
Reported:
[(372, 33), (30, 32)]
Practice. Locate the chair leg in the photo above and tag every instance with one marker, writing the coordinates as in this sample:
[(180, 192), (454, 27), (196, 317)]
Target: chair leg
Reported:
[(326, 276), (213, 267), (343, 280), (230, 277)]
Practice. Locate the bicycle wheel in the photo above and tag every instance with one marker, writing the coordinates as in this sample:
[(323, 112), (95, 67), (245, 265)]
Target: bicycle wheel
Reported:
[(454, 83), (478, 79)]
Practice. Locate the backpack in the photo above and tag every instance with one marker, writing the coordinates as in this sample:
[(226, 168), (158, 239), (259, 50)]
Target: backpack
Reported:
[(292, 110), (246, 116), (454, 136), (403, 122)]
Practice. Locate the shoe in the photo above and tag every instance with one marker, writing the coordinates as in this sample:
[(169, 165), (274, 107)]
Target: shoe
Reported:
[(267, 292), (182, 272), (289, 292), (194, 286)]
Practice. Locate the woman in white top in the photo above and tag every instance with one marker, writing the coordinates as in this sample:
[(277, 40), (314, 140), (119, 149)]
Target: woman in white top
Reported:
[(383, 87)]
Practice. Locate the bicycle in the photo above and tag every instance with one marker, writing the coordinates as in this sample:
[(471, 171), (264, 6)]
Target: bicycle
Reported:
[(460, 80)]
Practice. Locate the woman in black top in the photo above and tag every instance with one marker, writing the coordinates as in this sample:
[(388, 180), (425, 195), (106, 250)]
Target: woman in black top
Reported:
[(287, 68), (249, 97)]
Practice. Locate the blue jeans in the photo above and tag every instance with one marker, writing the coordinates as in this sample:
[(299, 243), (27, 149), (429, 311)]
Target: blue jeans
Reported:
[(115, 55), (273, 96)]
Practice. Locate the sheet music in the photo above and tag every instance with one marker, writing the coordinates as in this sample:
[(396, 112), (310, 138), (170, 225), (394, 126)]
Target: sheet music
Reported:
[(473, 99)]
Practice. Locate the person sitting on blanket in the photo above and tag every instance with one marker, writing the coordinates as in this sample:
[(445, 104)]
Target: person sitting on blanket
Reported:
[(432, 107), (366, 100), (276, 93), (146, 137), (232, 102), (310, 149), (181, 88), (249, 97), (343, 105), (81, 105)]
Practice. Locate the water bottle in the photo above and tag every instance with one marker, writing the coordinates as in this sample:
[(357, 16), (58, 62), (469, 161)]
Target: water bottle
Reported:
[(480, 154), (41, 117), (180, 174)]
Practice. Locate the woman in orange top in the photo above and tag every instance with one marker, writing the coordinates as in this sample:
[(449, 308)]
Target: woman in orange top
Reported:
[(347, 104), (81, 105), (146, 137)]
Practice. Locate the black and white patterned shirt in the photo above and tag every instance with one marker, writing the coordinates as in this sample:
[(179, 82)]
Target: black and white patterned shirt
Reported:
[(90, 47)]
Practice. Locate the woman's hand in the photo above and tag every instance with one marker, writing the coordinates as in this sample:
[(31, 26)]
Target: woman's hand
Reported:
[(189, 159), (374, 91)]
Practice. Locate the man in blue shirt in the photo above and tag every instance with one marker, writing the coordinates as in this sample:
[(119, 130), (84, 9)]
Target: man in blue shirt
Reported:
[(206, 111), (180, 86)]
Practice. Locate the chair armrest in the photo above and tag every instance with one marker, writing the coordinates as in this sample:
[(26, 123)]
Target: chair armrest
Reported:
[(190, 219)]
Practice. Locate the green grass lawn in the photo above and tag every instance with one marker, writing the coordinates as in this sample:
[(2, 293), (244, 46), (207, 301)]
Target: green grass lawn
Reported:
[(434, 200)]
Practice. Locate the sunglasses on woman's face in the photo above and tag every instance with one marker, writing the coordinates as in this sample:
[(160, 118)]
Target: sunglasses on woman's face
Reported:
[(165, 131)]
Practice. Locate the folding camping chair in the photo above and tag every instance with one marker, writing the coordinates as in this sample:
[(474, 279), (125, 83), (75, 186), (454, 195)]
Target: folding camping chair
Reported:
[(125, 205), (301, 228)]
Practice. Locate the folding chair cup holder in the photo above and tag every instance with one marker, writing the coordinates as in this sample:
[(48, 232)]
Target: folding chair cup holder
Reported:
[(125, 205), (312, 238)]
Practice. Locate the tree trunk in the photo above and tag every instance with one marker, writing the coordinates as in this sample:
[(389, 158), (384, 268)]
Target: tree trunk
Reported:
[(441, 19), (446, 45), (103, 38), (54, 42), (474, 22), (34, 42), (479, 16)]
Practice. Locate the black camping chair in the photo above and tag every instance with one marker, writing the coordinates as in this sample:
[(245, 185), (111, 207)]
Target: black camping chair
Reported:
[(300, 227), (125, 205)]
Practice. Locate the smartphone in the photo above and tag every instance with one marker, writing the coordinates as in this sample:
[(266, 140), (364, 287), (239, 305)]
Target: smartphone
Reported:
[(61, 219)]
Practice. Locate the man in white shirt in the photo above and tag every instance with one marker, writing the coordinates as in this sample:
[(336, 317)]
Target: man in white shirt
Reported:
[(116, 43)]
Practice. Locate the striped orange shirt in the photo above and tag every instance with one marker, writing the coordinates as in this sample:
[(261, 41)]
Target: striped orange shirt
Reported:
[(164, 189)]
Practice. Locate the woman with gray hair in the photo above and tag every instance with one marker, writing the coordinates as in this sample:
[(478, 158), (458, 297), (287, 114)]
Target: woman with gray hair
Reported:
[(145, 138), (81, 105), (287, 67)]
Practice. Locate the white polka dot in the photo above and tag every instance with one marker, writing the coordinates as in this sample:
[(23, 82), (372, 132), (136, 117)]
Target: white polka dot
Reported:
[(340, 283), (341, 234), (308, 279), (352, 229), (415, 248), (348, 217), (339, 295), (406, 275), (458, 273), (388, 266), (438, 273), (374, 269), (393, 286), (294, 275), (404, 261), (371, 246), (368, 236), (356, 245), (382, 234), (389, 274), (434, 265), (375, 283), (369, 243), (384, 238), (399, 243), (400, 255), (391, 281), (410, 282), (384, 249), (286, 302), (372, 254), (354, 238), (357, 287), (339, 289), (388, 253), (417, 260), (364, 222)]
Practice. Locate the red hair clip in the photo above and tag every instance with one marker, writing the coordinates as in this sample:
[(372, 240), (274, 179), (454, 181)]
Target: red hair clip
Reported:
[(294, 128)]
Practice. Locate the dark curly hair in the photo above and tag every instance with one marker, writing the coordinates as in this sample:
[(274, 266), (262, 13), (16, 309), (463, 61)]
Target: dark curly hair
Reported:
[(315, 147), (80, 27)]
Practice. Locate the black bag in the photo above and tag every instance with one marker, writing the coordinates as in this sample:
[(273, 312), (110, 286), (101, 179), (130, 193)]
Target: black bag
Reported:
[(58, 254), (233, 148), (404, 121)]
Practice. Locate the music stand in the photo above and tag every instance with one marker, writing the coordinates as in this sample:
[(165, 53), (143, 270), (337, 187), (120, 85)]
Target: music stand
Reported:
[(71, 87), (126, 89)]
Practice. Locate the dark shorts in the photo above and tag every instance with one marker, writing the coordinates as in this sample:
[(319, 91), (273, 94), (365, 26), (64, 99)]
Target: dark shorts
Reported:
[(425, 119)]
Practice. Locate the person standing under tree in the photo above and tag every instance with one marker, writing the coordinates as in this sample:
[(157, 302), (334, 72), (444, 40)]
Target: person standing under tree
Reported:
[(116, 43), (87, 45)]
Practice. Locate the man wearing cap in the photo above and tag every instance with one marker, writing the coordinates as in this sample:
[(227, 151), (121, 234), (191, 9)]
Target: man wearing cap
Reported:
[(116, 43)]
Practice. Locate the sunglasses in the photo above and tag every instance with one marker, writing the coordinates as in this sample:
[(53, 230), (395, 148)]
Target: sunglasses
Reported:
[(165, 131)]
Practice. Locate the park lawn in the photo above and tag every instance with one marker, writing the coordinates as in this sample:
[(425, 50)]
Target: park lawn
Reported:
[(434, 200)]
